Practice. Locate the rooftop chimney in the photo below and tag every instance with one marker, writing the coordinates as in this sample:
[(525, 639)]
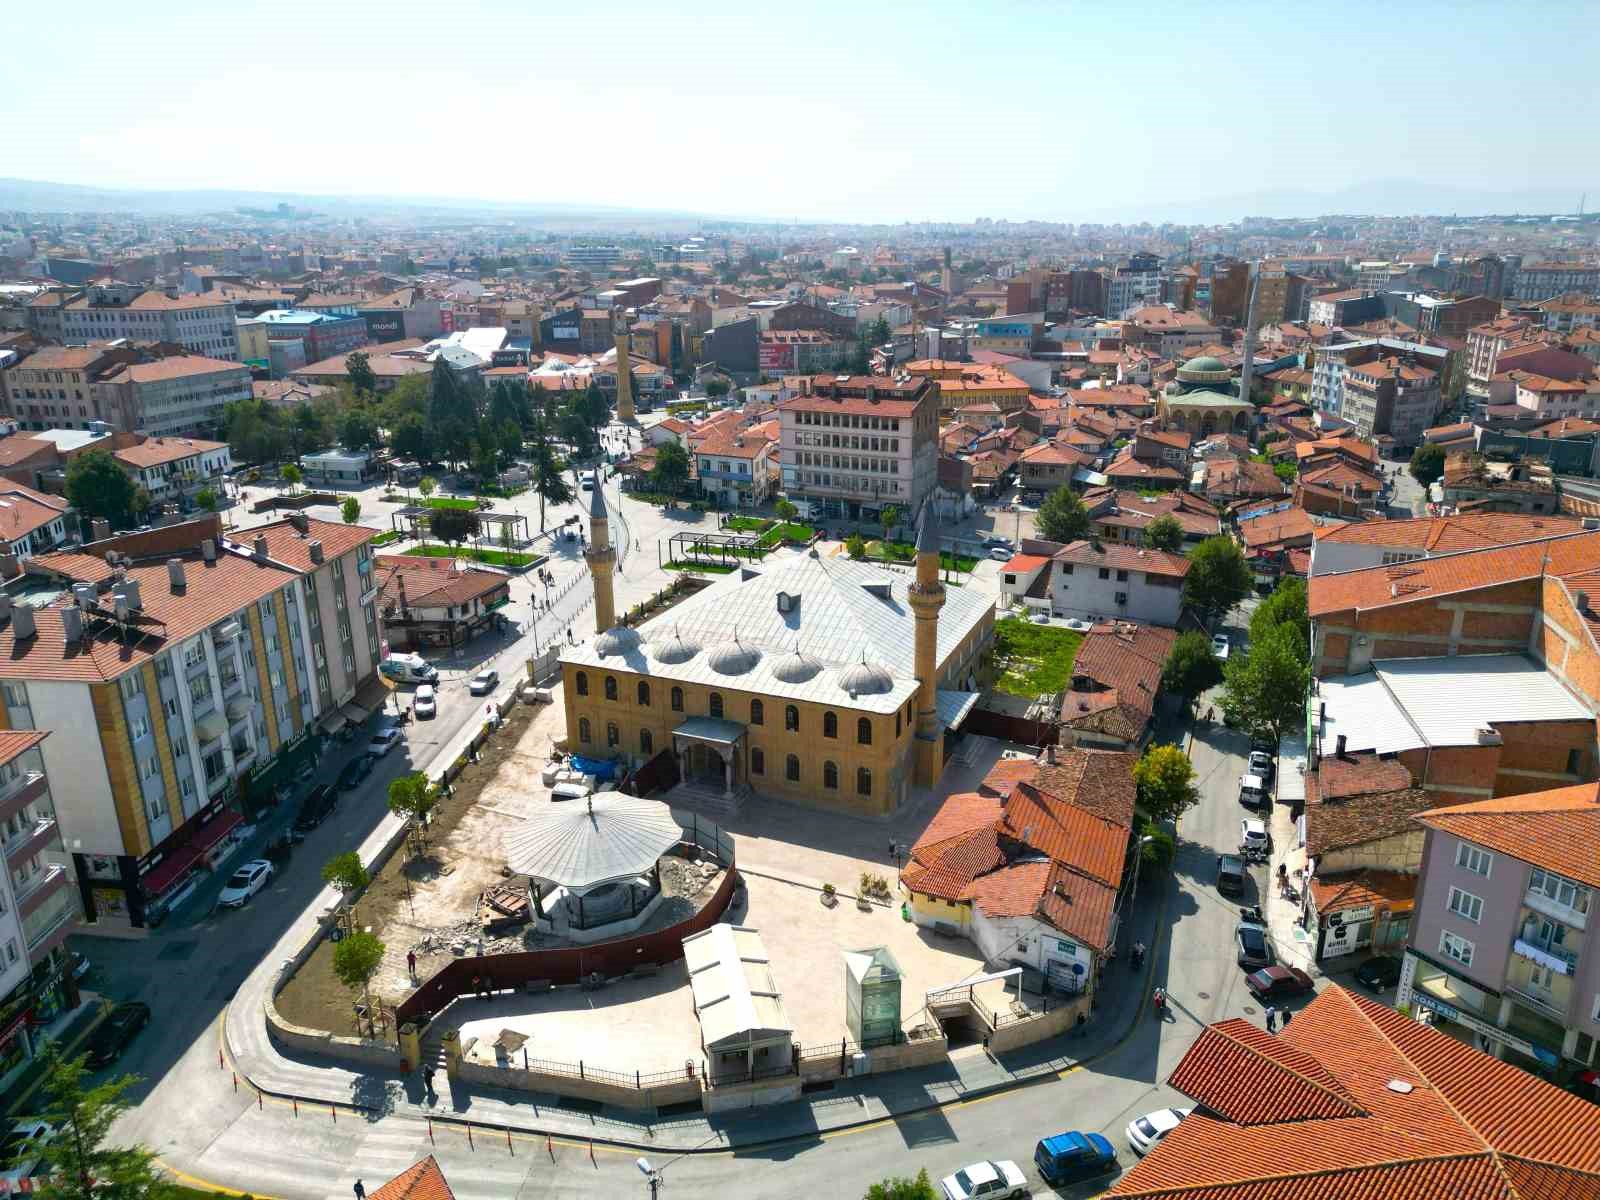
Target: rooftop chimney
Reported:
[(208, 550), (299, 521), (22, 622), (260, 554), (131, 590), (315, 547), (175, 575), (71, 626), (99, 528), (8, 566), (85, 594), (5, 606), (1338, 747)]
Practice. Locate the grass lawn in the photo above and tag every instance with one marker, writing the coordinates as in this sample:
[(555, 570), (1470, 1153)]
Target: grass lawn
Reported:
[(451, 502), (791, 531), (1033, 658), (747, 524), (906, 553), (497, 558), (387, 537), (708, 568)]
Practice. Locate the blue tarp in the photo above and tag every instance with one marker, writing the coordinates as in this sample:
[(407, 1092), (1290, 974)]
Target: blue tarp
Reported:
[(600, 768)]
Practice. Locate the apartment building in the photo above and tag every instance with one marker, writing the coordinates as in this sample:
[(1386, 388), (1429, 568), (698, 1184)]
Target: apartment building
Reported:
[(1543, 280), (37, 905), (32, 522), (170, 467), (190, 670), (54, 387), (1331, 365), (1485, 343), (321, 334), (1093, 580), (171, 397), (1499, 952), (201, 324), (1392, 395), (1135, 282), (1569, 313), (854, 441)]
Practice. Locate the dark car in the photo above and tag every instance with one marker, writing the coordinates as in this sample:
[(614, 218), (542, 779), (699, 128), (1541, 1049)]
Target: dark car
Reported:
[(1379, 973), (356, 770), (316, 807), (1275, 983), (1230, 875), (111, 1036), (1072, 1156), (1254, 949)]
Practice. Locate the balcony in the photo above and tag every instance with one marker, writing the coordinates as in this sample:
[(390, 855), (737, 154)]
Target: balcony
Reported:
[(232, 681), (1542, 1002), (40, 888), (194, 666), (1554, 909), (227, 631), (24, 792), (35, 839)]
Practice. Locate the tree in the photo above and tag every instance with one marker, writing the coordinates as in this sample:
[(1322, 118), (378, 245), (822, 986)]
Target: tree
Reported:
[(670, 475), (1265, 690), (890, 517), (1062, 517), (485, 460), (356, 959), (903, 1187), (292, 475), (427, 485), (80, 1160), (1191, 667), (1427, 464), (786, 511), (97, 487), (359, 369), (1285, 471), (206, 500), (879, 333), (350, 510), (594, 407), (548, 482), (1285, 607), (1165, 780), (413, 797), (1218, 577), (454, 525), (855, 546), (346, 873), (408, 438), (716, 388), (358, 429), (1164, 533)]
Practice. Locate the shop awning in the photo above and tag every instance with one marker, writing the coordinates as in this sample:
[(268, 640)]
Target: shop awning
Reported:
[(953, 707), (354, 713), (332, 723), (178, 862)]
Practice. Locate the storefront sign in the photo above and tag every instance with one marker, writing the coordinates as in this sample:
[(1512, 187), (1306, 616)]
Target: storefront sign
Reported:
[(1493, 1032), (1351, 915)]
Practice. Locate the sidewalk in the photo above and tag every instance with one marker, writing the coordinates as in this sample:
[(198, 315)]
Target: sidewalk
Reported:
[(971, 1071)]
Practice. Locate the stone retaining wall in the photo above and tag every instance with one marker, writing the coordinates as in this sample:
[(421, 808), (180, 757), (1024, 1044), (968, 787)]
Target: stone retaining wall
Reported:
[(649, 1096)]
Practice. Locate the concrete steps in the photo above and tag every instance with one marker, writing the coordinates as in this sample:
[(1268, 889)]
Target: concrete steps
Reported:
[(708, 798)]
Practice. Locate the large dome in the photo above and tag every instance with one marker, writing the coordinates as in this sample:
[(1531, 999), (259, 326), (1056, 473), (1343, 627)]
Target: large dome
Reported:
[(619, 639), (795, 667), (866, 679), (1205, 369), (733, 658), (674, 649)]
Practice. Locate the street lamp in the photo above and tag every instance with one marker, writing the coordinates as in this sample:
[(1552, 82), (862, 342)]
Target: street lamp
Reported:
[(1138, 861), (652, 1176)]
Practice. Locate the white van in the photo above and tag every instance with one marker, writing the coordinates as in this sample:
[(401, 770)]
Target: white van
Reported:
[(408, 668)]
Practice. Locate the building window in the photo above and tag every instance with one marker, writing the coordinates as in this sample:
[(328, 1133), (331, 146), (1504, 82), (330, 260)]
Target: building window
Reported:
[(791, 768), (677, 699), (714, 704), (757, 713), (647, 744), (864, 731), (1563, 891), (830, 725), (583, 730), (613, 734), (758, 762), (1455, 947), (791, 718), (1466, 905), (863, 781), (644, 694), (830, 776), (583, 683), (897, 723), (611, 687), (1470, 858)]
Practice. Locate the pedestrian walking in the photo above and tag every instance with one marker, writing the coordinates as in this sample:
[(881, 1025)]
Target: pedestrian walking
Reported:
[(427, 1082), (411, 963), (360, 1190), (1272, 1019), (1286, 1015)]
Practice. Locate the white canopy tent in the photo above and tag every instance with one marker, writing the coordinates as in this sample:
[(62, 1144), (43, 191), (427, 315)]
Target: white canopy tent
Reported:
[(582, 844)]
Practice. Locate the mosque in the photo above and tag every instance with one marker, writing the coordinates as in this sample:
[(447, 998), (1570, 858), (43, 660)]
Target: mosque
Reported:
[(1204, 400)]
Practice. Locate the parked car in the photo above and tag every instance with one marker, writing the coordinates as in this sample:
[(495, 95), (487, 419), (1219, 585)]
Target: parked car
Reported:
[(1254, 948), (1000, 554), (22, 1150), (1230, 875), (246, 882), (995, 542), (1219, 646), (1261, 764), (356, 770), (984, 1180), (1069, 1157), (1146, 1132), (1379, 972), (1253, 791), (1276, 983), (383, 741), (1253, 836), (315, 808), (111, 1036), (426, 702), (484, 682)]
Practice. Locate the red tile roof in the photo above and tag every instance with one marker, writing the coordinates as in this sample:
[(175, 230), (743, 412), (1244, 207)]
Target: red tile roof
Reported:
[(1121, 557), (1558, 830), (424, 1181), (1314, 1113), (19, 741)]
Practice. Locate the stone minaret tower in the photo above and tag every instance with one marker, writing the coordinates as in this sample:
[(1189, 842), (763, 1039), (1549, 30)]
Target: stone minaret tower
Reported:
[(624, 374), (927, 598), (602, 559)]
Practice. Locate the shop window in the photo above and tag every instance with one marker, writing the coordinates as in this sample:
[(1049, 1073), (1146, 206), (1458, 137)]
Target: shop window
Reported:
[(863, 781), (830, 776), (644, 694)]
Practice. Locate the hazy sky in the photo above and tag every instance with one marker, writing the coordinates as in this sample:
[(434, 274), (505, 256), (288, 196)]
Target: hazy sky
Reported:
[(848, 111)]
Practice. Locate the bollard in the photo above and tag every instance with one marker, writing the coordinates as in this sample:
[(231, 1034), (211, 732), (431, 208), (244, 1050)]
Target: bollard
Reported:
[(591, 1151), (334, 1113), (430, 1131), (260, 1103), (550, 1147), (470, 1146), (236, 1081), (220, 1065), (294, 1100), (508, 1142)]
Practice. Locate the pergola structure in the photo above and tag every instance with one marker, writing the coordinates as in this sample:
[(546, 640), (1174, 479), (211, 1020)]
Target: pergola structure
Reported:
[(412, 517), (726, 548)]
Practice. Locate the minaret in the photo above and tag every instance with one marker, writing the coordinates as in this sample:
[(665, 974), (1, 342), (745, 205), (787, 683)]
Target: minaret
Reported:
[(927, 598), (624, 375), (602, 559)]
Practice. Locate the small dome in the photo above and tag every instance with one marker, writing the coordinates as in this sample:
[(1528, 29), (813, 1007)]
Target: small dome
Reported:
[(795, 667), (619, 639), (866, 679), (674, 648), (1204, 368), (733, 658)]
